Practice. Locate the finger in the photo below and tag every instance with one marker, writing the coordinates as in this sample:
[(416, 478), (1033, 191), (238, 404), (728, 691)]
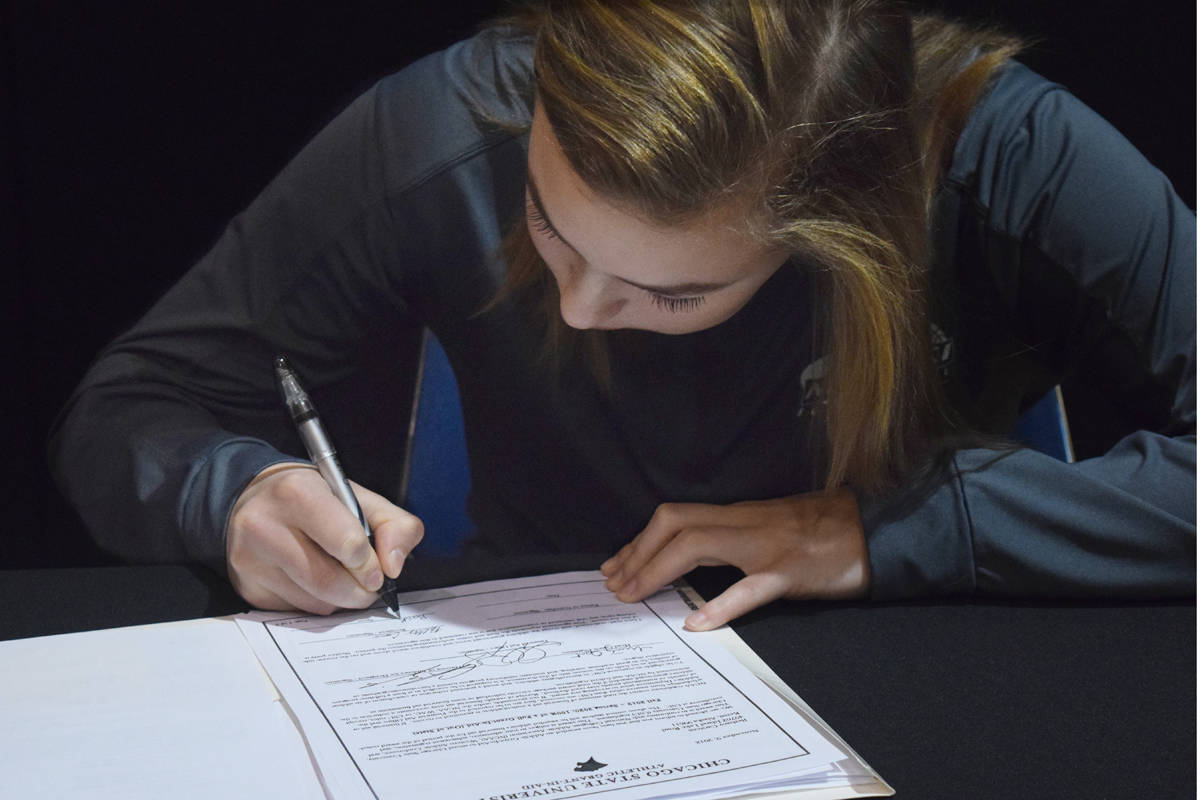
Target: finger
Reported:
[(266, 545), (396, 531), (324, 578), (742, 597), (687, 549), (611, 568), (665, 524), (285, 595), (254, 592), (259, 570), (312, 508)]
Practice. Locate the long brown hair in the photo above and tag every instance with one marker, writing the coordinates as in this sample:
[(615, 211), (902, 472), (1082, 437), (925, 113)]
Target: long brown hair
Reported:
[(829, 120)]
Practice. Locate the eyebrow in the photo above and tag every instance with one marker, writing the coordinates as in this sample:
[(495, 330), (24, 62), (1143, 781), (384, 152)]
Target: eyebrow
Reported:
[(671, 290)]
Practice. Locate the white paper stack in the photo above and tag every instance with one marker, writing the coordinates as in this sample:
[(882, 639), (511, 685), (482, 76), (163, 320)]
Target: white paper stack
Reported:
[(546, 687)]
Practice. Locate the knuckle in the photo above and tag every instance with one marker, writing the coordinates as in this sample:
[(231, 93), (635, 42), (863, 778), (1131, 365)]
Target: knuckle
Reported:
[(253, 521), (354, 551), (411, 528), (666, 515), (292, 487)]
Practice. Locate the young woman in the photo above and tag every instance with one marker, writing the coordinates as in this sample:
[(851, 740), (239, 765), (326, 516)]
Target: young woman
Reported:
[(741, 282)]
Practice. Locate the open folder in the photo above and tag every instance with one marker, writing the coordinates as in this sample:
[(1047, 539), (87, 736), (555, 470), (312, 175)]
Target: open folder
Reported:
[(535, 687)]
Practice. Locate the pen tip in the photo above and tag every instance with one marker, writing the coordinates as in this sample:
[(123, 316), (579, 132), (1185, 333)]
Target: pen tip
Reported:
[(282, 363)]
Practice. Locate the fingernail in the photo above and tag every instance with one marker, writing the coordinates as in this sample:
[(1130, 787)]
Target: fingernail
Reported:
[(696, 621), (396, 558)]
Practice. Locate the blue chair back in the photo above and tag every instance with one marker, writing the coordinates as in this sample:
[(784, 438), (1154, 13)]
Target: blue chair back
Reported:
[(437, 477), (1044, 427)]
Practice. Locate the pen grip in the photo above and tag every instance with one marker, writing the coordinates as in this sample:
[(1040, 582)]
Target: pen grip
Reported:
[(341, 488), (321, 451)]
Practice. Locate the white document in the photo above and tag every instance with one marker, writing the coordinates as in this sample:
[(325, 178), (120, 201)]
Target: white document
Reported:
[(179, 710), (541, 687)]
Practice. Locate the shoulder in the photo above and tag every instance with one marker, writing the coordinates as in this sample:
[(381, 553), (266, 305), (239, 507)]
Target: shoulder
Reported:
[(1018, 109), (454, 104), (1028, 140), (1017, 125), (1038, 174)]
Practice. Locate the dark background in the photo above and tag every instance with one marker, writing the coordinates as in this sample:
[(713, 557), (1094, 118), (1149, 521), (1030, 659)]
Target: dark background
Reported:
[(131, 132)]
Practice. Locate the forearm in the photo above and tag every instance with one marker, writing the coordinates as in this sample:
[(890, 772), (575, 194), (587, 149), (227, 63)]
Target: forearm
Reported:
[(1020, 523), (177, 415), (152, 475)]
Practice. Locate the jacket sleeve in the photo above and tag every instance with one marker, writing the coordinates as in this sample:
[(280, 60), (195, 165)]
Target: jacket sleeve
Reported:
[(331, 265), (178, 414), (1090, 259)]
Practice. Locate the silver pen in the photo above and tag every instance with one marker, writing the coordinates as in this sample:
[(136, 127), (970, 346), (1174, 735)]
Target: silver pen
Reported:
[(321, 453)]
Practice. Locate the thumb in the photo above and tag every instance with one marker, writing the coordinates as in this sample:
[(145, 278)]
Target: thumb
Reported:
[(396, 531), (742, 597)]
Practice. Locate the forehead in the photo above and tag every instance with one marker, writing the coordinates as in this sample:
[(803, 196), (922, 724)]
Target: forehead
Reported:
[(615, 238)]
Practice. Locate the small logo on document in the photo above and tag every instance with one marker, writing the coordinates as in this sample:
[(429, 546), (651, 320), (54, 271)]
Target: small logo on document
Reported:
[(591, 765)]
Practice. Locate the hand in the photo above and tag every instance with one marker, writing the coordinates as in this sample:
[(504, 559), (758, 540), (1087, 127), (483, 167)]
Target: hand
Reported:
[(292, 544), (807, 545)]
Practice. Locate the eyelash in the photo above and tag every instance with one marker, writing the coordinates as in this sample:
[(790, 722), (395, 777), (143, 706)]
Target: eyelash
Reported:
[(540, 223), (674, 305)]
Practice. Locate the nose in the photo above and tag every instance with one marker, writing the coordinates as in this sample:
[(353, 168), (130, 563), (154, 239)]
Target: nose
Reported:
[(586, 300)]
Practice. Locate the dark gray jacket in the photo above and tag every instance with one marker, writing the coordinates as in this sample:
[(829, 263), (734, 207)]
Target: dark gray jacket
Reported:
[(1058, 251)]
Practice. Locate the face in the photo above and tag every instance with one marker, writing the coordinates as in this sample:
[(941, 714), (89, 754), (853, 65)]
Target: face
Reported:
[(615, 270)]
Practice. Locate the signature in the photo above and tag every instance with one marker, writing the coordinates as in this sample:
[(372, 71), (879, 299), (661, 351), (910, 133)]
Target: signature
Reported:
[(396, 633), (502, 655), (608, 649), (389, 633)]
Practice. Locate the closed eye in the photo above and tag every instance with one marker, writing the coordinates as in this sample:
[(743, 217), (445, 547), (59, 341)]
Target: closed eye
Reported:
[(538, 220), (676, 305)]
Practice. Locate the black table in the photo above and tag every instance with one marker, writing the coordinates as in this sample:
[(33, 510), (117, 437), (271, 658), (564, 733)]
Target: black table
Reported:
[(953, 699)]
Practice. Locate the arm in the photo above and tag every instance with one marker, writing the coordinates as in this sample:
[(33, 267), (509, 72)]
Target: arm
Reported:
[(331, 265), (1090, 255), (179, 414)]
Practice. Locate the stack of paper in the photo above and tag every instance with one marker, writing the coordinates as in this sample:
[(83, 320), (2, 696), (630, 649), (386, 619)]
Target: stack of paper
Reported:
[(179, 710), (545, 687)]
